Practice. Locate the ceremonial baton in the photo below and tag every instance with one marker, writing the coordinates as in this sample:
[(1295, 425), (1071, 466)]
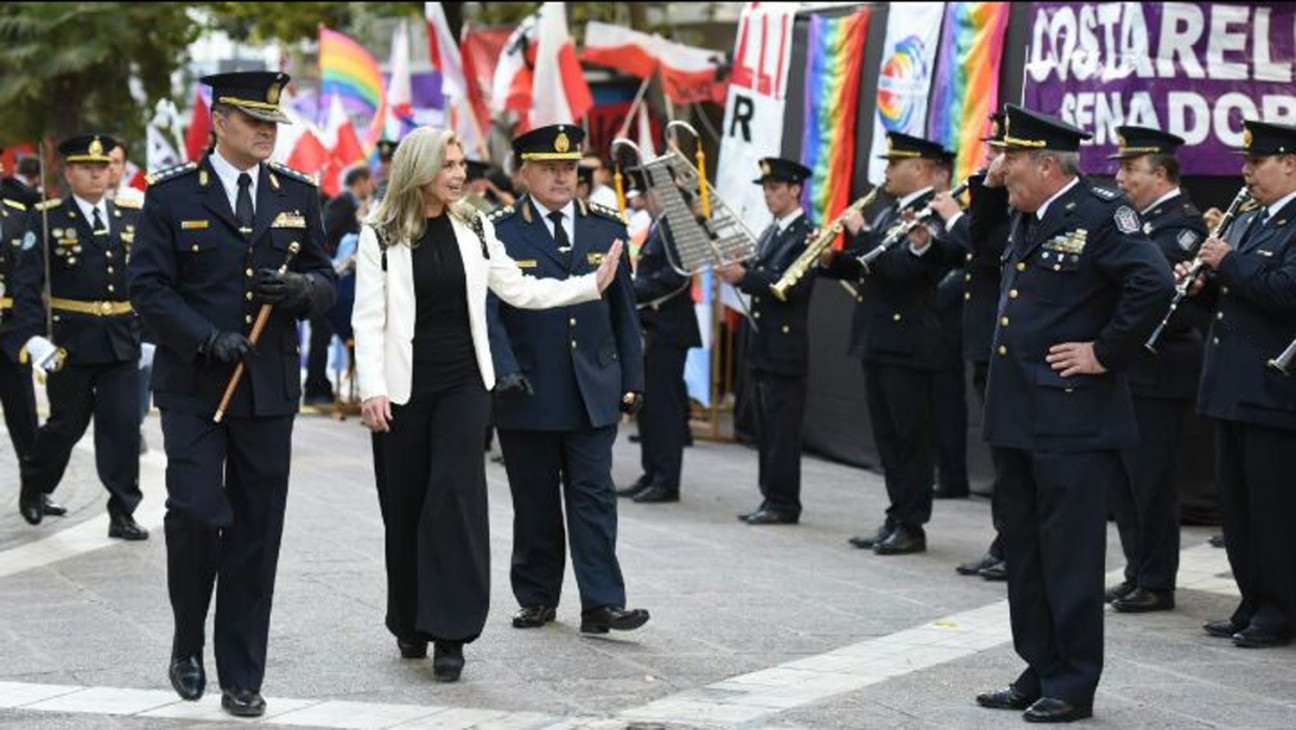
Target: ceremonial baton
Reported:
[(257, 328)]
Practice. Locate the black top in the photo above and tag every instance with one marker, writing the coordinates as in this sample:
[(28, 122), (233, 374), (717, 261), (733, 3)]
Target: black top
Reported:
[(443, 347)]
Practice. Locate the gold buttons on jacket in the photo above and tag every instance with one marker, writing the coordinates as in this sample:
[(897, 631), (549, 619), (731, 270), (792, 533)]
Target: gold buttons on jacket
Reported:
[(1219, 315), (896, 317), (755, 315), (1021, 265), (1012, 294), (249, 273), (967, 296), (247, 318), (249, 296), (573, 344), (1003, 351), (1003, 322), (572, 321), (786, 329)]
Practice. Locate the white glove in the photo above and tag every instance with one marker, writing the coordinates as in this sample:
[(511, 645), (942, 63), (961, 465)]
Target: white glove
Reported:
[(146, 355), (42, 353)]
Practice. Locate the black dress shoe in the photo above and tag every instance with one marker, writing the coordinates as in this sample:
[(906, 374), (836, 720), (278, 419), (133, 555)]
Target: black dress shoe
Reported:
[(656, 495), (533, 617), (1223, 629), (447, 661), (1008, 698), (638, 486), (903, 541), (242, 703), (866, 542), (612, 618), (974, 567), (743, 516), (1119, 591), (1217, 541), (996, 571), (1051, 709), (1141, 600), (412, 648), (52, 508), (187, 677), (31, 505), (123, 527), (772, 517), (1255, 637)]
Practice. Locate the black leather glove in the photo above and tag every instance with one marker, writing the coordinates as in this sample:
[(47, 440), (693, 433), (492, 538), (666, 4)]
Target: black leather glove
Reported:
[(513, 384), (228, 348), (289, 289), (632, 403)]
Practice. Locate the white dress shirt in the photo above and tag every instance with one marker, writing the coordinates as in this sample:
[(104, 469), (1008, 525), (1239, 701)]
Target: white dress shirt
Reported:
[(568, 220), (228, 175), (87, 209), (788, 219), (1160, 200), (1278, 204)]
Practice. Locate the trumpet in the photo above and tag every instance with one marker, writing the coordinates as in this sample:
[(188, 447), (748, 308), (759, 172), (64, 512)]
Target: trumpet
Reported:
[(1283, 362), (899, 231), (810, 257), (1236, 207)]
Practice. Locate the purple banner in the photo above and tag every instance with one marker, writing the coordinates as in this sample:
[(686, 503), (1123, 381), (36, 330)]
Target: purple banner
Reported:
[(1193, 69)]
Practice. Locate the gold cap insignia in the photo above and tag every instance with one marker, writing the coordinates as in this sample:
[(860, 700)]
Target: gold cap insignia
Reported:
[(272, 93), (765, 168), (96, 147), (561, 142), (1246, 139), (1120, 140)]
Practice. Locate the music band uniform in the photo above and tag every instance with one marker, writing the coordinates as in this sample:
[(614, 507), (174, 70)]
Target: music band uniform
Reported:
[(896, 332), (1077, 270), (94, 325), (585, 361), (1255, 407), (670, 328), (17, 394), (778, 352), (198, 259), (1164, 385)]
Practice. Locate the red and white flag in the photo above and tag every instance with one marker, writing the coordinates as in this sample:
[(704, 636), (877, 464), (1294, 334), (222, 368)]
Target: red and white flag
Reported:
[(689, 74), (447, 59), (198, 136), (343, 144), (559, 94), (511, 84), (400, 97)]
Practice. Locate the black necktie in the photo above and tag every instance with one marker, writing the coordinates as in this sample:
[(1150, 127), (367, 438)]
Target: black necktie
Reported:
[(98, 227), (560, 238), (243, 209), (1256, 224), (767, 238)]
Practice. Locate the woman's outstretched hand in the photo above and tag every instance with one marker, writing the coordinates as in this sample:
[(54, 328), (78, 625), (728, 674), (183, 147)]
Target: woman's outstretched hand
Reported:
[(607, 270)]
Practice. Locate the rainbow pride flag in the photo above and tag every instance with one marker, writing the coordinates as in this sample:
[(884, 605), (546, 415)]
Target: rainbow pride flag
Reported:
[(966, 88), (350, 71), (834, 64)]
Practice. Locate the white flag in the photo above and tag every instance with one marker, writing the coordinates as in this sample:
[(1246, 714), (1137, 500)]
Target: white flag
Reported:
[(160, 152)]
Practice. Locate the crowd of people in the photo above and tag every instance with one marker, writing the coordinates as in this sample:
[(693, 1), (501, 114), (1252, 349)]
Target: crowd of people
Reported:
[(478, 300)]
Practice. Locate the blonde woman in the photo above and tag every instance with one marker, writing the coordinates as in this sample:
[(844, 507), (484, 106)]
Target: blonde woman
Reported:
[(425, 263)]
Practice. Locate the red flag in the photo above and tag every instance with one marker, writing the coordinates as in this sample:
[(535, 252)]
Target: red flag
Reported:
[(197, 138), (308, 154)]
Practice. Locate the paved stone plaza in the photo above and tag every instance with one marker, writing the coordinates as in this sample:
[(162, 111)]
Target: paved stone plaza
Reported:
[(774, 627)]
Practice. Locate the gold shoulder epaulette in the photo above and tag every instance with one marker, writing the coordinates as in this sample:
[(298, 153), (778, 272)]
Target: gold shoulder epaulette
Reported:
[(47, 204), (170, 173), (501, 213), (297, 175), (606, 212), (14, 204), (132, 203)]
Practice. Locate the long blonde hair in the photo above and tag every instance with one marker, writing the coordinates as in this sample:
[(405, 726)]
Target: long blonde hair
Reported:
[(400, 218)]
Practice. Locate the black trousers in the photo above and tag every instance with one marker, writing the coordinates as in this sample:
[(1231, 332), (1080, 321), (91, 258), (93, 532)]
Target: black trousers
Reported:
[(950, 423), (433, 501), (321, 341), (981, 376), (110, 393), (227, 485), (663, 418), (1257, 503), (1054, 511), (780, 404), (548, 470), (900, 410), (1147, 504), (18, 397)]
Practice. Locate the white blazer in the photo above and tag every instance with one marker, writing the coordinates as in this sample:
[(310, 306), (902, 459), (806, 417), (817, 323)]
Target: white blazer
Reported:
[(383, 317)]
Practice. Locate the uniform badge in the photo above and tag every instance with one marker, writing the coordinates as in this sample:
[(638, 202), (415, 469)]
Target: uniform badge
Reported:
[(96, 147), (1147, 228), (562, 143), (1246, 139), (1126, 219), (765, 167), (272, 94), (288, 220), (1187, 239), (193, 225), (526, 263), (594, 258)]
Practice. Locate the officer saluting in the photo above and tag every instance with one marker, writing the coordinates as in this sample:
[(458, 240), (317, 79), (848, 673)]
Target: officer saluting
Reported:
[(1082, 288), (1163, 384), (586, 361), (778, 348), (1255, 408), (17, 395), (92, 355), (211, 241)]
